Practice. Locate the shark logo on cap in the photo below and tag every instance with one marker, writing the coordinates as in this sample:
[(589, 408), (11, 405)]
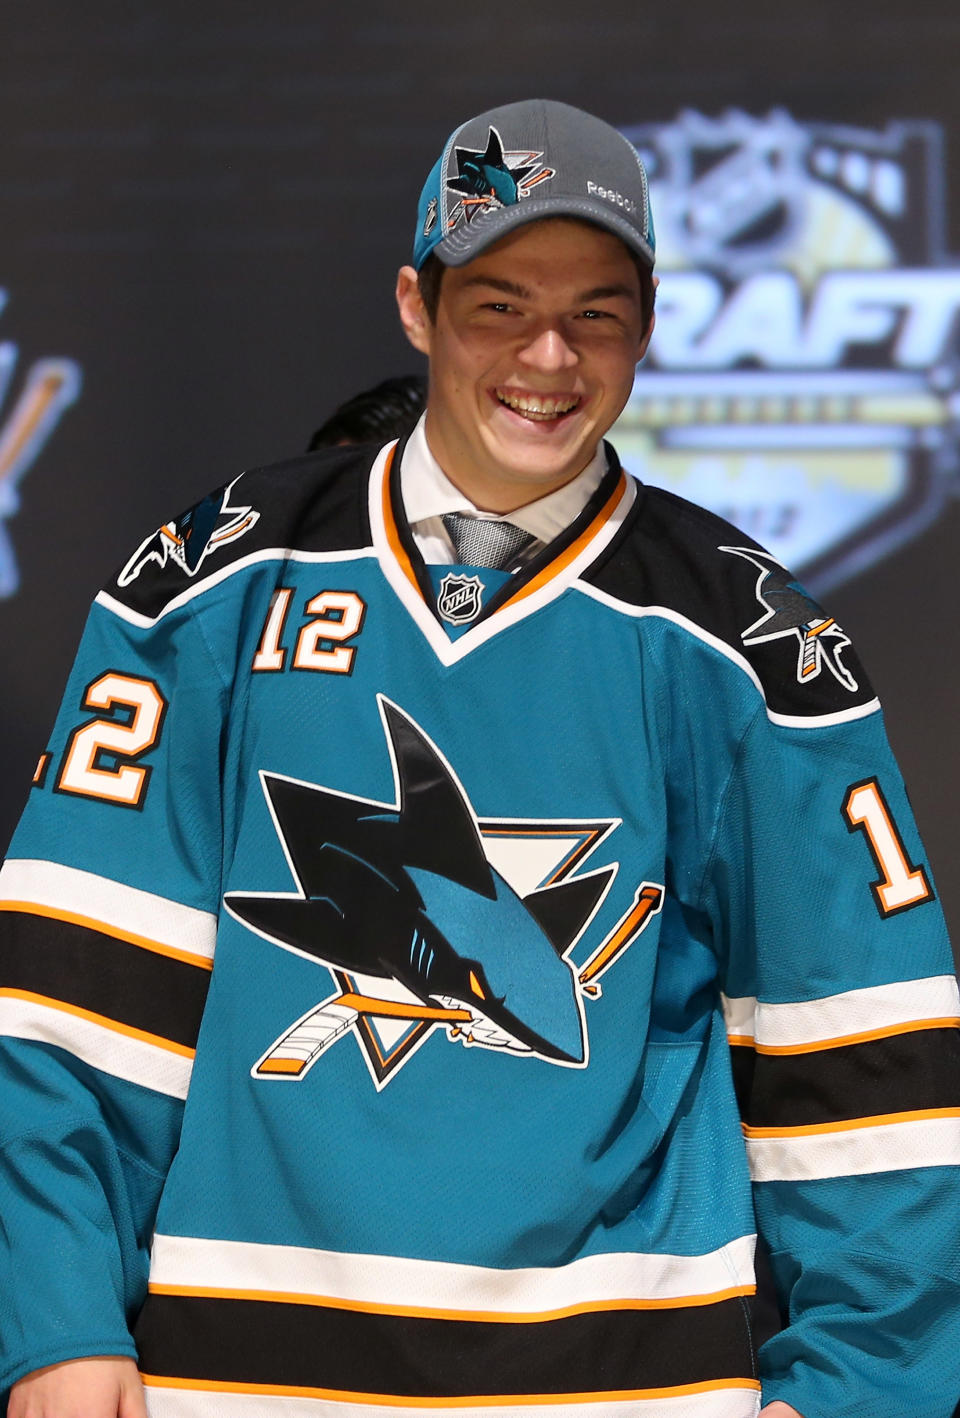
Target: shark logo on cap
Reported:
[(492, 177)]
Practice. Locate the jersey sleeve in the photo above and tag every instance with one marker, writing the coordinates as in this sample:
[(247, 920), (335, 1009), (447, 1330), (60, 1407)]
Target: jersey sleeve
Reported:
[(842, 1012), (108, 905)]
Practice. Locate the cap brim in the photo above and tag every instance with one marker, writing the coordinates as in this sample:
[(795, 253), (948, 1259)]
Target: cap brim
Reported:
[(473, 238)]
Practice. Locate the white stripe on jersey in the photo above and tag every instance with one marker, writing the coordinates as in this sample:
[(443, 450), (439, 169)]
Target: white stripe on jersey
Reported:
[(408, 1284), (113, 1050), (855, 1151), (87, 898), (255, 558), (874, 1009), (163, 1402)]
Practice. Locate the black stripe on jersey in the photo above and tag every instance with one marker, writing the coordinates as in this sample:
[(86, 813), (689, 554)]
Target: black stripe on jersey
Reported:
[(316, 502), (743, 1058), (902, 1073), (242, 1341), (85, 968)]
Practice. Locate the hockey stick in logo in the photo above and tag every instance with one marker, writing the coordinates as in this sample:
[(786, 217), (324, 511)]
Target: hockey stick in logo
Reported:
[(648, 902), (809, 649), (295, 1052)]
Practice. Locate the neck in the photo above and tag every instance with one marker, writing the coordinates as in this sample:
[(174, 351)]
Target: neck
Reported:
[(492, 489)]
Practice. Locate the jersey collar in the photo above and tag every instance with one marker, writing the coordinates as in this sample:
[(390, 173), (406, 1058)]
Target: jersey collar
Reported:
[(542, 580), (427, 492)]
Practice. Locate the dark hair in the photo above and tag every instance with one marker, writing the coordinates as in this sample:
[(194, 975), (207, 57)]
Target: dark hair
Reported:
[(430, 276), (389, 410)]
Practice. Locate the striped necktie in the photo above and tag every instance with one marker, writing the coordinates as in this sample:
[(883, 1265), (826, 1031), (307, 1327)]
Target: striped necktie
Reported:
[(478, 541)]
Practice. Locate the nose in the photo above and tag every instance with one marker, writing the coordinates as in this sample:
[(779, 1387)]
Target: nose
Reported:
[(548, 352)]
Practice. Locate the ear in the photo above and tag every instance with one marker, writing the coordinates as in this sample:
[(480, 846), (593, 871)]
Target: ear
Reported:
[(413, 312), (649, 331)]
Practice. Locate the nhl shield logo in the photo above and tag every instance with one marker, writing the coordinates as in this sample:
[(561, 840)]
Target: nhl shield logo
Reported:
[(459, 598)]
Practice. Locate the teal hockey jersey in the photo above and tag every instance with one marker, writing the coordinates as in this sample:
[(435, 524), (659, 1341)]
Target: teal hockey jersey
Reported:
[(418, 986)]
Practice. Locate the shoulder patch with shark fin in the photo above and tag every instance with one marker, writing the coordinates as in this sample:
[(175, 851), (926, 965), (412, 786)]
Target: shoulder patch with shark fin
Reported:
[(313, 503), (675, 555)]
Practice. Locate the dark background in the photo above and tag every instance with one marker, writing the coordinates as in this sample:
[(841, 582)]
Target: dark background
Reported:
[(205, 208)]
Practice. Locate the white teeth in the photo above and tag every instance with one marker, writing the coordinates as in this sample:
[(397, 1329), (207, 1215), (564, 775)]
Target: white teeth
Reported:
[(536, 406)]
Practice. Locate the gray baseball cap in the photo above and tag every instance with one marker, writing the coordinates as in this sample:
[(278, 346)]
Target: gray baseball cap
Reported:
[(525, 161)]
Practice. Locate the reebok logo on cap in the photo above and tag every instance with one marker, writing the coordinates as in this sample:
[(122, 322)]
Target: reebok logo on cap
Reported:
[(595, 190)]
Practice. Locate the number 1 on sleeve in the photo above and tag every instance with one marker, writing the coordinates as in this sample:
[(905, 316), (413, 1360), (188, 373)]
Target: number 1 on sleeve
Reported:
[(899, 885)]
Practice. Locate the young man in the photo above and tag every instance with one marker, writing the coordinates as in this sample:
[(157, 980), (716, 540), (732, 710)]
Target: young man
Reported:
[(492, 777)]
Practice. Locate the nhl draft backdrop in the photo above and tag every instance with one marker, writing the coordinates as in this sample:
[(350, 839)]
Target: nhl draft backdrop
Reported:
[(204, 210)]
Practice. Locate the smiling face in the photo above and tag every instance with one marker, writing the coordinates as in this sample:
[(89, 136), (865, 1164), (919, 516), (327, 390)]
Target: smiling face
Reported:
[(532, 357)]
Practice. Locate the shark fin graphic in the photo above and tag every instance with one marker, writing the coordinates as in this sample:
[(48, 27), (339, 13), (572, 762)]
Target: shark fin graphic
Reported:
[(299, 923), (438, 832), (561, 911), (493, 157), (311, 817)]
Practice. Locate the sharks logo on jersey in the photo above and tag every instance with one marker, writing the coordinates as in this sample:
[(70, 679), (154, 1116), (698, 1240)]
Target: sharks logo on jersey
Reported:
[(494, 178), (190, 538), (788, 610), (431, 920)]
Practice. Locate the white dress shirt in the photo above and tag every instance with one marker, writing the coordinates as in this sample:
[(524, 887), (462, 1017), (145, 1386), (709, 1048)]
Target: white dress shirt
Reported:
[(428, 493)]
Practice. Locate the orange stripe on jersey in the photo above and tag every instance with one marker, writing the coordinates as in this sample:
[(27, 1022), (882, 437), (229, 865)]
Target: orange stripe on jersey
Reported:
[(545, 576), (102, 1020), (34, 908), (841, 1041), (850, 1124), (866, 1036), (390, 526), (370, 1307), (511, 1400)]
